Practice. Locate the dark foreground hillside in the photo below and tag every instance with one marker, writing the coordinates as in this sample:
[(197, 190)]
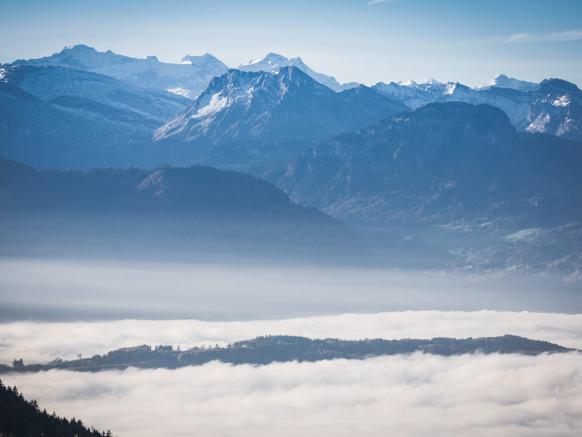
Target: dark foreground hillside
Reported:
[(22, 418)]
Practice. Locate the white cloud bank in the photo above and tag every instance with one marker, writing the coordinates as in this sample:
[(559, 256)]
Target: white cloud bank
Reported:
[(36, 341), (417, 395)]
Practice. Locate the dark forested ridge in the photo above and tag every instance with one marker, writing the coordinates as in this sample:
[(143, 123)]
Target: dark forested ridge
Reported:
[(270, 349), (22, 418), (195, 210)]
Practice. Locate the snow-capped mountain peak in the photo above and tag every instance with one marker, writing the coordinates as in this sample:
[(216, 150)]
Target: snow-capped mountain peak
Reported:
[(504, 81), (188, 78), (272, 62), (245, 106)]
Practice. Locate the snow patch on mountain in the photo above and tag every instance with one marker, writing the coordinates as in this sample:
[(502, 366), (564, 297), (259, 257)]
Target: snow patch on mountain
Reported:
[(217, 103), (562, 101), (450, 90), (179, 91), (539, 125)]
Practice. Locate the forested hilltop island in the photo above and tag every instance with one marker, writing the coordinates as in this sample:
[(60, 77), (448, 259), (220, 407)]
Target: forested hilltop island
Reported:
[(281, 348), (20, 417)]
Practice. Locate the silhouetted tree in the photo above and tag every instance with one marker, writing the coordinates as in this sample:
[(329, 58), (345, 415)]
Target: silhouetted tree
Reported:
[(22, 418)]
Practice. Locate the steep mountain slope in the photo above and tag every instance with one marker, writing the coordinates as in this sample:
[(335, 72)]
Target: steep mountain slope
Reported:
[(246, 116), (551, 107), (61, 117), (188, 79), (459, 171), (273, 62), (440, 151)]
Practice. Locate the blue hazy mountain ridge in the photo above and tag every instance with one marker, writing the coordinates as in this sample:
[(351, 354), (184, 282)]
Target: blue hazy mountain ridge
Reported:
[(257, 116), (283, 348), (61, 117), (56, 117), (553, 106), (188, 78), (443, 160), (457, 173), (165, 209)]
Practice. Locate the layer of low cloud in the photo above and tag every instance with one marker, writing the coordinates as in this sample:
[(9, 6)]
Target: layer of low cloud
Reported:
[(519, 38), (42, 342), (88, 290), (496, 395)]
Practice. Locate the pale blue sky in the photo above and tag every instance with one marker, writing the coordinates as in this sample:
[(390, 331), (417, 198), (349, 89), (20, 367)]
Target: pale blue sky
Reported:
[(354, 40)]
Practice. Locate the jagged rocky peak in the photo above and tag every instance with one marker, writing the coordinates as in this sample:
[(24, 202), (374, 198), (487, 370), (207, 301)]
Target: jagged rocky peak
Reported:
[(235, 80)]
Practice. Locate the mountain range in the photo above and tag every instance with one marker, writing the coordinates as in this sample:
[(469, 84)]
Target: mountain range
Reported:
[(89, 108), (188, 78), (490, 175), (467, 158), (254, 116), (552, 107), (60, 117), (456, 175)]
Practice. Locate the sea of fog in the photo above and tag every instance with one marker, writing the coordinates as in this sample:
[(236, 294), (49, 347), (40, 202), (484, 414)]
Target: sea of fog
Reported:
[(66, 308), (413, 395)]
